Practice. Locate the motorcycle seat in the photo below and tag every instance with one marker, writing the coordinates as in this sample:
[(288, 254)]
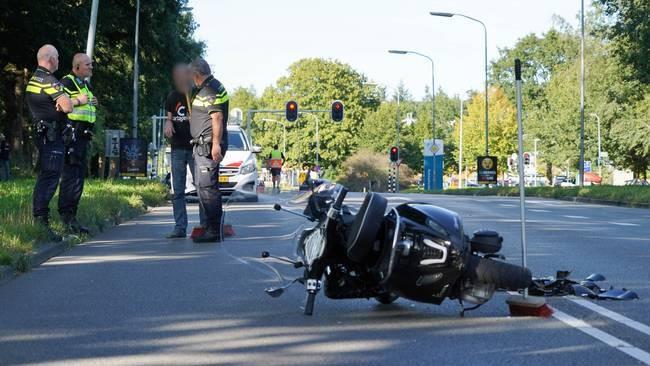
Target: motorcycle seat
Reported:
[(363, 231)]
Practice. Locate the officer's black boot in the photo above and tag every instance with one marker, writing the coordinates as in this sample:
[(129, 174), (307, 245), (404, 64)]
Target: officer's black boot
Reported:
[(73, 226), (45, 223)]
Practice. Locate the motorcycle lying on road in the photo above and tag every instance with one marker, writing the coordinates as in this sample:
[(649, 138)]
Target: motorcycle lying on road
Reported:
[(416, 251)]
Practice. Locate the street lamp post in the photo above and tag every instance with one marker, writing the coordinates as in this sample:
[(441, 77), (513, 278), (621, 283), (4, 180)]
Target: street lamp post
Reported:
[(90, 44), (136, 73), (449, 15), (581, 165), (460, 154), (600, 161), (433, 102)]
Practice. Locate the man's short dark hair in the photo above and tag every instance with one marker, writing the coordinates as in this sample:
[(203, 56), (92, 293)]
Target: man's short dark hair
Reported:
[(275, 147), (200, 66)]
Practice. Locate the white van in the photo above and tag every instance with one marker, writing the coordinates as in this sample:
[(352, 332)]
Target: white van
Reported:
[(238, 171)]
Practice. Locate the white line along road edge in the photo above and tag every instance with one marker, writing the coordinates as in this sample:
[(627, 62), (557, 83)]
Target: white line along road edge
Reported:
[(606, 338)]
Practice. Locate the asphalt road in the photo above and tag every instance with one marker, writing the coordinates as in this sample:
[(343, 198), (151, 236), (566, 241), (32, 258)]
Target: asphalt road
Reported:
[(131, 297)]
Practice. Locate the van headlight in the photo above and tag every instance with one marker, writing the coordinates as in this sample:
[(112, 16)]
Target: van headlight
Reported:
[(248, 168)]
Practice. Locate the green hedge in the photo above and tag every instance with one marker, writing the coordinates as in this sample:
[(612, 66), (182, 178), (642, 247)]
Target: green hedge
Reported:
[(630, 195), (103, 204)]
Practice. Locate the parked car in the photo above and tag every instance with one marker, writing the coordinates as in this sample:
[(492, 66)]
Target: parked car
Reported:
[(238, 175), (559, 179)]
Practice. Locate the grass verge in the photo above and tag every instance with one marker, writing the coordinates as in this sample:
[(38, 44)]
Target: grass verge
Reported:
[(104, 203), (625, 195)]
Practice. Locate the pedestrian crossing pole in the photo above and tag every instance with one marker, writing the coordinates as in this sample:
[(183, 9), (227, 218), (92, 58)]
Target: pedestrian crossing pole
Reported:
[(522, 177)]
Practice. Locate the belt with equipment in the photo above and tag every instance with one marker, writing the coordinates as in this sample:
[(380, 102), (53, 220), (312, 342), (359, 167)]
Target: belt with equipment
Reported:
[(203, 145)]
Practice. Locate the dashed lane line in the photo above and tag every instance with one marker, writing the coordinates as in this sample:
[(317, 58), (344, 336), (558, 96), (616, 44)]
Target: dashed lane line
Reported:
[(575, 217), (606, 338), (612, 315), (622, 223), (538, 210)]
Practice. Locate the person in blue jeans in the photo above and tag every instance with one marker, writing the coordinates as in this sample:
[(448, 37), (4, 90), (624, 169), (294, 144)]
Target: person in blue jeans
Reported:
[(177, 130), (5, 173)]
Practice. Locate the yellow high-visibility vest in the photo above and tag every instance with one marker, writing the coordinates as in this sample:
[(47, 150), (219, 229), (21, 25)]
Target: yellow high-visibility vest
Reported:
[(82, 113)]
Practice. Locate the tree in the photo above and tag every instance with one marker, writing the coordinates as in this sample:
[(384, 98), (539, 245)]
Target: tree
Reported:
[(165, 38), (502, 133)]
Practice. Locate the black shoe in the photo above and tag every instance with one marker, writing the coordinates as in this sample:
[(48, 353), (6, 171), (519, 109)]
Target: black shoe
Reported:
[(208, 237), (45, 224), (176, 234)]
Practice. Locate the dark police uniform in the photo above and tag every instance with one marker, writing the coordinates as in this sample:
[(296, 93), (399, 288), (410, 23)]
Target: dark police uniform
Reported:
[(42, 92), (209, 98), (83, 119)]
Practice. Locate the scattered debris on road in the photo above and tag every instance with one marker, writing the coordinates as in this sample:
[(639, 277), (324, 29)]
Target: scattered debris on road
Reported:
[(561, 285)]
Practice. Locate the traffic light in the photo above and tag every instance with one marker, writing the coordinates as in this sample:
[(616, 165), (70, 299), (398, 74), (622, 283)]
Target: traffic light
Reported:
[(526, 158), (394, 154), (337, 111), (292, 111)]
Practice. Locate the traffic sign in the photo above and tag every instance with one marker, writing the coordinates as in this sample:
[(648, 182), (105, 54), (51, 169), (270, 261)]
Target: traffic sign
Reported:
[(587, 166), (486, 170), (431, 149)]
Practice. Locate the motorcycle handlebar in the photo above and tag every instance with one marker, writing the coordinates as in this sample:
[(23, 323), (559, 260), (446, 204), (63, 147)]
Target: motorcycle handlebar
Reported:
[(339, 198)]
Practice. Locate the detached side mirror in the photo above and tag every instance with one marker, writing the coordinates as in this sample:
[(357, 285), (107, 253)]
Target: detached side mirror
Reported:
[(256, 149)]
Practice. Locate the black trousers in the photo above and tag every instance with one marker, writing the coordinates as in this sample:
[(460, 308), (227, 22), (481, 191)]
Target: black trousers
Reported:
[(206, 176), (51, 156), (72, 178)]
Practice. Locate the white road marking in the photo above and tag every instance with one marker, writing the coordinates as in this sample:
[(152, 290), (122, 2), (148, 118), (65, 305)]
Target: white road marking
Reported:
[(538, 210), (507, 205), (622, 223), (612, 315), (606, 338), (575, 217)]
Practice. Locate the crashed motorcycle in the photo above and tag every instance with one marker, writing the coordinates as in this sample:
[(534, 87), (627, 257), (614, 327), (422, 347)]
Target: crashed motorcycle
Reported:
[(416, 251)]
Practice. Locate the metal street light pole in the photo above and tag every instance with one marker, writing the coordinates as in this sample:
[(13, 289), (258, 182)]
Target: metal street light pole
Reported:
[(460, 154), (449, 15), (581, 165), (433, 103), (535, 175), (90, 44), (136, 73), (600, 161)]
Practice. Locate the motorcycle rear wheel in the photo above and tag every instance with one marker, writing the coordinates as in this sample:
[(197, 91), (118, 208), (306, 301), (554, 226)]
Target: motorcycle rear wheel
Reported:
[(387, 298)]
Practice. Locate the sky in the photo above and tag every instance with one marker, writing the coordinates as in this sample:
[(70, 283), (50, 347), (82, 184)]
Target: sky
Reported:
[(253, 42)]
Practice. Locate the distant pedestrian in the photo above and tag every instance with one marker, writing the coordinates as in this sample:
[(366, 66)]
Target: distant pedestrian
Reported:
[(276, 161), (177, 130), (48, 104), (5, 167), (208, 125)]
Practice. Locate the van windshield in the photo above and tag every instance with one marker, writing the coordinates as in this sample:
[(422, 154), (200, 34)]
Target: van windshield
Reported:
[(236, 141)]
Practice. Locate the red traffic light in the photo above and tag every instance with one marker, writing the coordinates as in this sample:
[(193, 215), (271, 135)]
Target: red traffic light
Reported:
[(394, 154), (337, 111), (291, 111)]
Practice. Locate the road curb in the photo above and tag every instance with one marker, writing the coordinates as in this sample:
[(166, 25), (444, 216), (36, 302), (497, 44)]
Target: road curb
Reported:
[(604, 202)]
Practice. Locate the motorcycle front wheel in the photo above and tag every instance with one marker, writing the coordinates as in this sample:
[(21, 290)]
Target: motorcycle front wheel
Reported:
[(387, 298)]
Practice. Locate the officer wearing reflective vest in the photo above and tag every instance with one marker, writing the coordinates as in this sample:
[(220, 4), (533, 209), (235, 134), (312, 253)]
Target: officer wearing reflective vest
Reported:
[(83, 118), (48, 105), (208, 127)]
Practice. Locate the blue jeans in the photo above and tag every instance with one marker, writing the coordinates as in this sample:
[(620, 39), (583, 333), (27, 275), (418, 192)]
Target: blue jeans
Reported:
[(181, 159), (5, 172)]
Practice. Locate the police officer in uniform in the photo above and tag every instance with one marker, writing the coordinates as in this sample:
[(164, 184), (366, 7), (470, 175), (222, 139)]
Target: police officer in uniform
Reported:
[(48, 104), (208, 126), (82, 117)]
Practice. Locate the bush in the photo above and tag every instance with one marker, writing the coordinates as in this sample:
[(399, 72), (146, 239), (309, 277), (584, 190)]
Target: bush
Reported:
[(366, 169)]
